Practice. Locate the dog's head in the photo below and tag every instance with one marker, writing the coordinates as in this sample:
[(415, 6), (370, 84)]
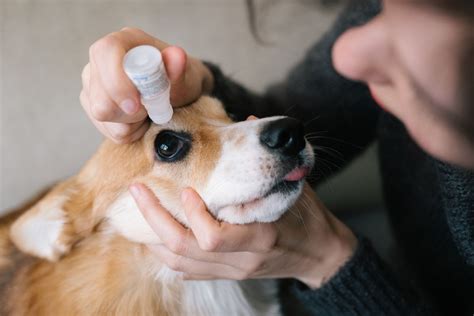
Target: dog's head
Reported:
[(250, 171)]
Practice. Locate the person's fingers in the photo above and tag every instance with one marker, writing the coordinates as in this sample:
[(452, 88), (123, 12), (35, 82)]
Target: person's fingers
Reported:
[(252, 117), (213, 235), (85, 77), (132, 37), (122, 133), (109, 85), (104, 109), (84, 98), (198, 277), (238, 260), (175, 59), (191, 266), (107, 54), (202, 277), (138, 133), (119, 133), (186, 84), (170, 231), (107, 58)]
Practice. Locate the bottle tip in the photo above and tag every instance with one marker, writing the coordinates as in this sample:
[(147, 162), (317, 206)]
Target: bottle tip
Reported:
[(162, 117)]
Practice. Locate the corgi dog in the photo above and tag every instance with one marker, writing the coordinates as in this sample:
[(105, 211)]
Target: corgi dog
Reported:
[(80, 249)]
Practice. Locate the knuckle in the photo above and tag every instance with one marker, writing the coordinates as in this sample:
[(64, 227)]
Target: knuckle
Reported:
[(130, 29), (82, 97), (269, 243), (120, 132), (84, 100), (178, 246), (92, 49), (174, 263), (137, 134), (85, 74), (254, 267), (213, 242), (104, 44), (241, 276), (101, 111), (123, 36), (119, 141)]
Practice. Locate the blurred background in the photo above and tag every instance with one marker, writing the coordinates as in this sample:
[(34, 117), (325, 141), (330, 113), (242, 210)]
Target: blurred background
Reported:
[(45, 136)]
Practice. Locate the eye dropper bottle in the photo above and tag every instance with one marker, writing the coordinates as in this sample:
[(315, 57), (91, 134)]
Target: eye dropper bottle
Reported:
[(144, 66)]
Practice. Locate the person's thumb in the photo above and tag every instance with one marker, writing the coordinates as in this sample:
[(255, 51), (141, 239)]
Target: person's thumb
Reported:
[(175, 59), (184, 88)]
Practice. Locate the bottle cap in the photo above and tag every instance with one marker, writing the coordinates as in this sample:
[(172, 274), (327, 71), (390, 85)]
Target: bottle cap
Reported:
[(142, 60)]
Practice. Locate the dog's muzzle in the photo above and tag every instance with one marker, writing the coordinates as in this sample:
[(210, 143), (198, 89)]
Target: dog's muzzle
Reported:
[(284, 136)]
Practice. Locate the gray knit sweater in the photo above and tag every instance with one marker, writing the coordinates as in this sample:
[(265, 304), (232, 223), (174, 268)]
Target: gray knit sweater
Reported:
[(430, 203)]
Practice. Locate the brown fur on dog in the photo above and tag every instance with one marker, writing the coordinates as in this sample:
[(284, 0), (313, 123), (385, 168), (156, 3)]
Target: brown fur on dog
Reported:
[(99, 276), (92, 268)]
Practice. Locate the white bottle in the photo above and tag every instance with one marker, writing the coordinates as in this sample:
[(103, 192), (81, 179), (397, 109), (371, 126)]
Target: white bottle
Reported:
[(144, 66)]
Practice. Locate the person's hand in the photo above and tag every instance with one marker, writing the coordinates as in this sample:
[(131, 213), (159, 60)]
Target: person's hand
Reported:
[(308, 243), (111, 100)]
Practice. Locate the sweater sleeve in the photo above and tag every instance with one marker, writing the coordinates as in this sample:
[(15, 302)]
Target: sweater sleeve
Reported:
[(339, 115), (363, 286)]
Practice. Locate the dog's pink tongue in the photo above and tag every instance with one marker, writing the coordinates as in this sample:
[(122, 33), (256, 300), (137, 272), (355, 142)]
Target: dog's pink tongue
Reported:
[(297, 174)]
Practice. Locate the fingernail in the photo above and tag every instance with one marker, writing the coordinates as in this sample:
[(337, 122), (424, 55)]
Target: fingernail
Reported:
[(135, 190), (129, 106)]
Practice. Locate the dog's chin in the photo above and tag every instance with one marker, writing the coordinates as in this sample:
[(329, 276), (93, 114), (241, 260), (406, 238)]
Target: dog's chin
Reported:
[(265, 209)]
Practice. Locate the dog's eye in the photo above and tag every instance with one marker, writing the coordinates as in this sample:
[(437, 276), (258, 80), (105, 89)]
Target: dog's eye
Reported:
[(171, 146)]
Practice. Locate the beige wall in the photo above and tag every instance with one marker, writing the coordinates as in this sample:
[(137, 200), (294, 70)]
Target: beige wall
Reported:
[(45, 135)]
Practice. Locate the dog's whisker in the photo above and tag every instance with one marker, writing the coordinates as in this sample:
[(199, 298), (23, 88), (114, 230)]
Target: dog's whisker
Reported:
[(311, 120), (313, 134), (329, 150), (303, 222), (338, 140), (327, 163), (337, 156), (289, 109)]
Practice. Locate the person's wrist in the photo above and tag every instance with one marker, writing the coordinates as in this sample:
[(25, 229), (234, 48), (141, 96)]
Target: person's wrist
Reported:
[(339, 248)]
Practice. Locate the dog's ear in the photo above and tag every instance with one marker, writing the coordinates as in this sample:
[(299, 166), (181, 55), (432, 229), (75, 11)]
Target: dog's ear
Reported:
[(47, 230)]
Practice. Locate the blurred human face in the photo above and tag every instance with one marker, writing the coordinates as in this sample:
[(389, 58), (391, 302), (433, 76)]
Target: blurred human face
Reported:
[(418, 63)]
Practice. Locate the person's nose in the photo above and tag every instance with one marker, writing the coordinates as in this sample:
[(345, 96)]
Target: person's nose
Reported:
[(364, 53)]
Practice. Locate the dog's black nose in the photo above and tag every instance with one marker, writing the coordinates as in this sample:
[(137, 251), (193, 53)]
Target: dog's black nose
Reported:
[(285, 135)]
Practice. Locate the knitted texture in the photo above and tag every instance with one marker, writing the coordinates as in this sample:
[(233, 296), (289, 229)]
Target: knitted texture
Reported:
[(363, 286)]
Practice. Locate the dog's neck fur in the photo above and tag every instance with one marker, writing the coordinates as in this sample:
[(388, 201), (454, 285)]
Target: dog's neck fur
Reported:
[(106, 274)]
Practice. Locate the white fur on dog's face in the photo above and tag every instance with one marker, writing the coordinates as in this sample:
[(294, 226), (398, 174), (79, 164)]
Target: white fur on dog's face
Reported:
[(242, 187), (239, 180)]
